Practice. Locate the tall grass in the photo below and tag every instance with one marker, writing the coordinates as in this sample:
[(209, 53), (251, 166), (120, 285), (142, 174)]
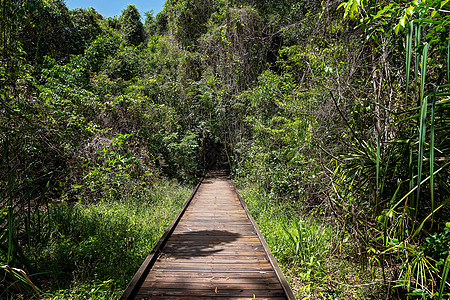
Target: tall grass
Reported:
[(16, 218), (91, 251), (445, 272), (308, 248)]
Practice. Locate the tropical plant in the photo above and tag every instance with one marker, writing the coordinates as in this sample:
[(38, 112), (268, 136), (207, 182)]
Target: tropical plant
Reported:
[(131, 25), (401, 174)]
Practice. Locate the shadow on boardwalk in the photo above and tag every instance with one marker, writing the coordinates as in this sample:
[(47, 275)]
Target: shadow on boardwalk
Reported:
[(201, 243)]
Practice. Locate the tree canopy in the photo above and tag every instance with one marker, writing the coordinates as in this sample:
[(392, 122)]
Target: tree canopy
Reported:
[(131, 25)]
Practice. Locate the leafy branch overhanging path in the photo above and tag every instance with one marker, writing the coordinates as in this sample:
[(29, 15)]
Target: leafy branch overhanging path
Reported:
[(213, 249)]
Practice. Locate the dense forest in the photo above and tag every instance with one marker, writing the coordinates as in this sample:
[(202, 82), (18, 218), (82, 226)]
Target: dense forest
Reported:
[(334, 115)]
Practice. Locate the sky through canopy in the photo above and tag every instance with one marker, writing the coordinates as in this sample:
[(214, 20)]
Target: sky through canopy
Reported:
[(111, 8)]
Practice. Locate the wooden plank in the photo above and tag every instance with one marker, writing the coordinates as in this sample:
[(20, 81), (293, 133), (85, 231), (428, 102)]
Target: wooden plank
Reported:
[(183, 291), (208, 235), (223, 221), (224, 244), (218, 260), (187, 236), (204, 285), (194, 270), (222, 263), (154, 278), (212, 252), (144, 297), (218, 245), (209, 244), (212, 268), (218, 226), (209, 274), (218, 255), (213, 264)]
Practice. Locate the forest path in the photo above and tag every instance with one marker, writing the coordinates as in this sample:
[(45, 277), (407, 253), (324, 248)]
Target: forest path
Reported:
[(214, 250)]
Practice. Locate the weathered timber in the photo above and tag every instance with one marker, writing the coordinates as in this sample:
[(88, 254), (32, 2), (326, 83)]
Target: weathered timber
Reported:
[(213, 249)]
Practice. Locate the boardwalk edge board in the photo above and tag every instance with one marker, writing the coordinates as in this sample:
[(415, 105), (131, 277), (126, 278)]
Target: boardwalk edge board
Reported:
[(153, 256), (286, 287)]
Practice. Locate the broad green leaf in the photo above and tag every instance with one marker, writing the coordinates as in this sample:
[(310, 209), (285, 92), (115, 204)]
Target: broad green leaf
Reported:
[(401, 24), (409, 38), (409, 11), (354, 8), (383, 11)]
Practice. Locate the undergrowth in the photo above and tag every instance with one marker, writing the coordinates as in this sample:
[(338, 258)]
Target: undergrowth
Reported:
[(91, 251), (317, 261)]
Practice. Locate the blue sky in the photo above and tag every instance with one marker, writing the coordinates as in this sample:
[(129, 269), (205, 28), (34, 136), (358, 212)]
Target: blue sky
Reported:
[(111, 8)]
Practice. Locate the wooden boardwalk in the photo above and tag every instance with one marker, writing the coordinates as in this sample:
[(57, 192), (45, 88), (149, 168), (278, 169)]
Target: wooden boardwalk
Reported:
[(212, 250)]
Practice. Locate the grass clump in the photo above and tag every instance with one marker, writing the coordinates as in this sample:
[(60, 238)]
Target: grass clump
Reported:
[(311, 251), (92, 250)]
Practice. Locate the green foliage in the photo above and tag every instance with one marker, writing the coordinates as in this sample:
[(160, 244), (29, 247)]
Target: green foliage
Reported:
[(187, 19), (86, 26), (113, 168), (12, 52), (150, 24), (113, 23), (313, 109), (80, 128), (407, 182), (124, 64), (292, 240), (131, 25), (47, 29), (277, 135), (103, 290), (161, 22), (444, 277), (103, 46), (81, 244), (308, 250), (352, 7), (235, 47), (437, 245)]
